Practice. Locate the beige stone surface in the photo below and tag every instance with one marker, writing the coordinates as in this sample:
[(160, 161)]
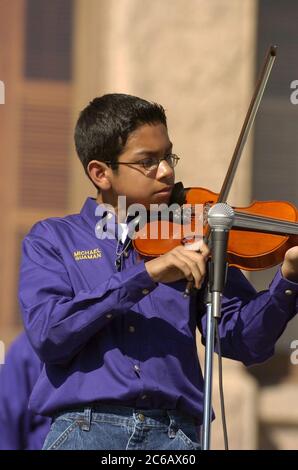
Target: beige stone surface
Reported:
[(281, 438), (278, 405), (195, 57), (241, 400), (90, 53)]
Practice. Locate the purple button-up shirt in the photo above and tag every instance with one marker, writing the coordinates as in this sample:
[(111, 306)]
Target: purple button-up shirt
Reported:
[(120, 338), (20, 429)]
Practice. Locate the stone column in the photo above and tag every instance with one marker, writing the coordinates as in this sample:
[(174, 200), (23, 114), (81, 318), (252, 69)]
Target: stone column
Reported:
[(90, 52), (195, 57)]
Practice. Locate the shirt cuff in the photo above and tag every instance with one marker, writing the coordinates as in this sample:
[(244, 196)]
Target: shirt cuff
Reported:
[(285, 292), (137, 282)]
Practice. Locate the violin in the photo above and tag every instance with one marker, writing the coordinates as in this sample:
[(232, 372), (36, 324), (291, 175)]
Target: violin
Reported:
[(275, 222), (265, 230)]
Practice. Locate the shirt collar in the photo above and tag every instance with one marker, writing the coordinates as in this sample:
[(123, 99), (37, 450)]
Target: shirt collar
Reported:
[(88, 211), (92, 213)]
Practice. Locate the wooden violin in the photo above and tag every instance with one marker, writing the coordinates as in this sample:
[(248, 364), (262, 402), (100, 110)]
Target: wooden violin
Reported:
[(276, 230)]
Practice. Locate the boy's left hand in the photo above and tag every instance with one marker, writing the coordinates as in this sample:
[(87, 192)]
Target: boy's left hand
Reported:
[(289, 267)]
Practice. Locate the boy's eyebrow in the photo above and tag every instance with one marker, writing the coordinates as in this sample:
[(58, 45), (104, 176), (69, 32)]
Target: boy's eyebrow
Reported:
[(152, 152)]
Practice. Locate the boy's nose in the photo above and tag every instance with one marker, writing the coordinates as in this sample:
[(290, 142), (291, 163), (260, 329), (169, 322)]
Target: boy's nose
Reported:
[(164, 169)]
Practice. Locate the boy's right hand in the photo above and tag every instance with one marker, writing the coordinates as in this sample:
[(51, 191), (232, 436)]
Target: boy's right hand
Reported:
[(180, 263)]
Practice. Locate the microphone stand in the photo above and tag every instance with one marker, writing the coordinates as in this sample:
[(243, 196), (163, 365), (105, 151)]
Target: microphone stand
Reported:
[(220, 219), (208, 368)]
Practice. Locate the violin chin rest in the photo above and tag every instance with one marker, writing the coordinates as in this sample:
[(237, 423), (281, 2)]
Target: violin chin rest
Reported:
[(178, 194)]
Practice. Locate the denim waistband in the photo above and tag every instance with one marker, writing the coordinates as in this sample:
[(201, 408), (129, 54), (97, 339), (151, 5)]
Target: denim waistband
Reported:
[(129, 412)]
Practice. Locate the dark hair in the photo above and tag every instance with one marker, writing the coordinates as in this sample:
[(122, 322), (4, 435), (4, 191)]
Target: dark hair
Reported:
[(104, 125)]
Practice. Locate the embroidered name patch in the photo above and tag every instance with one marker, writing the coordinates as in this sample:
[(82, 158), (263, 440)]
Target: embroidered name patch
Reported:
[(87, 254)]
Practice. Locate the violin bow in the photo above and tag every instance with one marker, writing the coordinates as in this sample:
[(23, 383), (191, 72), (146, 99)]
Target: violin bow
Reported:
[(248, 122), (245, 130)]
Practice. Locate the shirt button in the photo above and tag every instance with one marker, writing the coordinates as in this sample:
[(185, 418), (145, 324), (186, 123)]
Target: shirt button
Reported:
[(288, 292), (109, 315), (126, 254), (145, 291), (141, 417), (136, 368), (131, 329)]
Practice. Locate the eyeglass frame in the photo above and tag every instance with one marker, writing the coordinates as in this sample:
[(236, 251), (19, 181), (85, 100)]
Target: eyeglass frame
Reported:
[(140, 162)]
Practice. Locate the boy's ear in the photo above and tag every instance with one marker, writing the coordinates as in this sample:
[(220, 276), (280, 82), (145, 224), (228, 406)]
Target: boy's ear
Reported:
[(100, 174)]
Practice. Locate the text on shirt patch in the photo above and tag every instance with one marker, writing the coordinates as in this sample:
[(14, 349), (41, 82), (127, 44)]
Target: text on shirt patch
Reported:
[(87, 254)]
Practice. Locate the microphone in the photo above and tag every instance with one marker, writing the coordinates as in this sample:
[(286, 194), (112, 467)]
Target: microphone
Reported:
[(220, 219)]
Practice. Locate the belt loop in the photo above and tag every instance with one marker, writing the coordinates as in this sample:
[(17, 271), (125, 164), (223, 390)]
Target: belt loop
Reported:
[(172, 426), (87, 419)]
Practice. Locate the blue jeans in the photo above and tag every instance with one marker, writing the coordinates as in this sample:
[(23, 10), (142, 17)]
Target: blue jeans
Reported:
[(107, 427)]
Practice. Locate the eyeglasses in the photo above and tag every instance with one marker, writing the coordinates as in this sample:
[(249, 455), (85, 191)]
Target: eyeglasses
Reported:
[(150, 164)]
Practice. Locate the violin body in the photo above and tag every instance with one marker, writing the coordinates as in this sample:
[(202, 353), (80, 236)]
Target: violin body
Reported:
[(248, 250)]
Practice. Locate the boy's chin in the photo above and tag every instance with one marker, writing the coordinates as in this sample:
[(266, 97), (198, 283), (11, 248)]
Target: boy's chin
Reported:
[(161, 197), (157, 198)]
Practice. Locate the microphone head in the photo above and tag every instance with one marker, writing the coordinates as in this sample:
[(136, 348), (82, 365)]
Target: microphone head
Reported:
[(221, 216)]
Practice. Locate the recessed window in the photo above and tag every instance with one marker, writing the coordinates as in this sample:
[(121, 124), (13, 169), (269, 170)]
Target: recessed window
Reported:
[(48, 39)]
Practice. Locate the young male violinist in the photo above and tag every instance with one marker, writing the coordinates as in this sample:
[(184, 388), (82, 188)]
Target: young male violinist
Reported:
[(118, 338)]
